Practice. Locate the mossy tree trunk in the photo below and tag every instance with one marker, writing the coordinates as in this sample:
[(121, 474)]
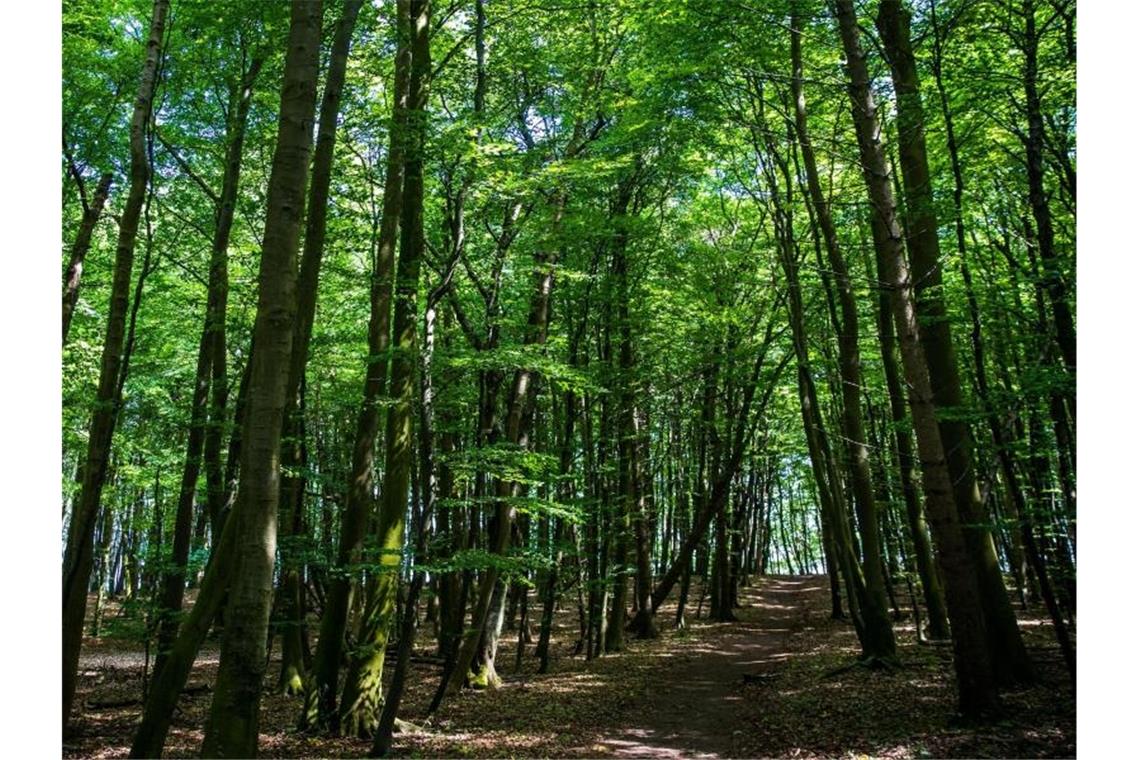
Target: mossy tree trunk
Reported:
[(320, 701), (362, 695)]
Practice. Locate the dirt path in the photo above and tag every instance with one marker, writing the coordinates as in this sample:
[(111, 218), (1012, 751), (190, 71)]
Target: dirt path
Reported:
[(691, 701), (678, 696)]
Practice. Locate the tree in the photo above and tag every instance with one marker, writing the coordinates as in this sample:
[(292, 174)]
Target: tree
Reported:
[(79, 555), (360, 700), (232, 727), (977, 692), (1007, 651)]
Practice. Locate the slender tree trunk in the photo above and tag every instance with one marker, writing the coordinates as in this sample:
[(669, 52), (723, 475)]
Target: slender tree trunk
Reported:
[(216, 306), (290, 680), (879, 641), (1054, 285), (174, 573), (565, 494), (78, 558), (79, 249), (903, 447), (232, 726), (174, 579), (382, 740), (828, 483)]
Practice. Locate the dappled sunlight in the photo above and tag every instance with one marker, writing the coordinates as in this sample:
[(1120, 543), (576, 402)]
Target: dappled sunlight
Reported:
[(760, 687)]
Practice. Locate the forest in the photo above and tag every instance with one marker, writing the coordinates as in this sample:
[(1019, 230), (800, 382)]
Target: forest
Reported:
[(568, 378)]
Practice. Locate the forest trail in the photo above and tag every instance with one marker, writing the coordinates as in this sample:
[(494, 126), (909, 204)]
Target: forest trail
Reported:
[(681, 695), (690, 704)]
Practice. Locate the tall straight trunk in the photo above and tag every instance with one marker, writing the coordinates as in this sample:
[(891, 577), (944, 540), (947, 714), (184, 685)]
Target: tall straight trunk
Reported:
[(362, 694), (903, 450), (78, 557), (879, 640), (174, 572), (293, 486), (980, 374), (720, 606), (1007, 650), (320, 708), (382, 741), (633, 505), (231, 728), (79, 249), (977, 693), (621, 528), (595, 542), (824, 470)]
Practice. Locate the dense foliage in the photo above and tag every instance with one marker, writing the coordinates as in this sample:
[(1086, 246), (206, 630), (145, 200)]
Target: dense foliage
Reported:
[(635, 323)]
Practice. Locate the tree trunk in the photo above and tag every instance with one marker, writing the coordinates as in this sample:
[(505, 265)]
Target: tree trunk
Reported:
[(932, 590), (879, 640), (78, 558), (1054, 285), (977, 694), (361, 697), (216, 307), (1007, 651), (290, 680), (231, 728), (320, 708), (80, 248)]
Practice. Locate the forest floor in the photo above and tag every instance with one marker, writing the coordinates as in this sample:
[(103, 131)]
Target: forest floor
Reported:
[(682, 695)]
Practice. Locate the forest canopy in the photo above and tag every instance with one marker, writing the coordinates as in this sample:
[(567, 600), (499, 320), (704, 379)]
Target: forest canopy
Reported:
[(392, 331)]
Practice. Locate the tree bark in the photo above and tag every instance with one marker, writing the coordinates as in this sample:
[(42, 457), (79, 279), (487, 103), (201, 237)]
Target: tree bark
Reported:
[(361, 699), (174, 577), (1007, 650), (290, 602), (232, 726), (78, 557), (879, 640), (977, 694), (1034, 141), (320, 708)]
